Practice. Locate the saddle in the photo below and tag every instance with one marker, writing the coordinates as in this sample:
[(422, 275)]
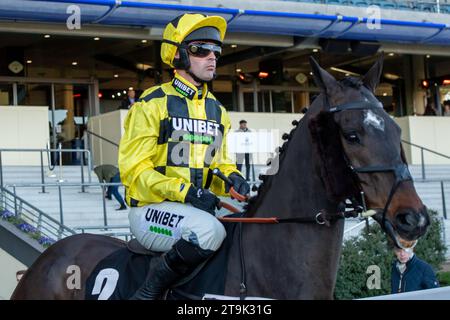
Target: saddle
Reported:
[(119, 275), (134, 246)]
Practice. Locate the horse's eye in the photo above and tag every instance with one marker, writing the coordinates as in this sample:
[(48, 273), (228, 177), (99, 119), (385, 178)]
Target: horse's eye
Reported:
[(351, 137)]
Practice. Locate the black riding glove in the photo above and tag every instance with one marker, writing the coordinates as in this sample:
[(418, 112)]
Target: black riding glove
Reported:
[(202, 199), (240, 185)]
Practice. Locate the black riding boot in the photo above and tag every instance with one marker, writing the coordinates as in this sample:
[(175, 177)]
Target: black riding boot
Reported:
[(181, 260)]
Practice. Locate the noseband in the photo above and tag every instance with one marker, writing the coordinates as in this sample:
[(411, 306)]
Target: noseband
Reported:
[(400, 171)]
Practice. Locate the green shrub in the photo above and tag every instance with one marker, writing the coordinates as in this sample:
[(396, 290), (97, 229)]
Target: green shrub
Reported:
[(372, 248), (444, 278)]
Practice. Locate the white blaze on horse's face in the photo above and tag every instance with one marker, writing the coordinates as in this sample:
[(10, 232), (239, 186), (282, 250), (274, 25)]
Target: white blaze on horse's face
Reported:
[(371, 119)]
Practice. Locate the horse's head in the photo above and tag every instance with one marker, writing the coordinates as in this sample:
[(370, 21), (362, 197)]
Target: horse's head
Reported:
[(359, 150)]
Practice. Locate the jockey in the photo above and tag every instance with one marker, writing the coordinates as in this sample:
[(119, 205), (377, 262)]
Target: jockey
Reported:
[(175, 134)]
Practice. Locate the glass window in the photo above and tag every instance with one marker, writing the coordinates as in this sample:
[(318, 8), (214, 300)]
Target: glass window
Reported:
[(6, 95), (226, 99), (31, 94), (282, 101), (248, 101), (264, 101)]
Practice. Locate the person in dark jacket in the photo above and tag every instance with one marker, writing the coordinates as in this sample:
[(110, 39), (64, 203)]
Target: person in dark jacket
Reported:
[(129, 100), (108, 173), (409, 273)]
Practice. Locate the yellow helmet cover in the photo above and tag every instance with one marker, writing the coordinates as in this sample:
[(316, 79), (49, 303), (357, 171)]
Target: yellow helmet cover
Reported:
[(178, 29)]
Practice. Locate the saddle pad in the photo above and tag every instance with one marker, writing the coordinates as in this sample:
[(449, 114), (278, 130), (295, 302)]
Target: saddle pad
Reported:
[(118, 276)]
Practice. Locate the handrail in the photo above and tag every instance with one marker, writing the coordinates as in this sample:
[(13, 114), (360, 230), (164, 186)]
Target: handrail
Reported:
[(422, 156), (38, 217), (103, 138), (426, 149), (60, 185), (89, 165)]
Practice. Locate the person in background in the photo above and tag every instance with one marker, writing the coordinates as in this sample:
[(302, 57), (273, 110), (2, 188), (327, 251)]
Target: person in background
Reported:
[(429, 110), (107, 173), (447, 108), (241, 157), (128, 102), (409, 273)]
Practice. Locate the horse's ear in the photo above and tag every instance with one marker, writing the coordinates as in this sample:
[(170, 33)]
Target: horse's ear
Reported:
[(324, 80), (335, 174), (372, 77), (402, 154)]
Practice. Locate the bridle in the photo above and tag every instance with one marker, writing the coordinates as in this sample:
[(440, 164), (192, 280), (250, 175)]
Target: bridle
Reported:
[(400, 170)]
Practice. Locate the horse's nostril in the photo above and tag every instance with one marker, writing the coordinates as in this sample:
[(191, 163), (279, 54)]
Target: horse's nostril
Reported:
[(403, 218)]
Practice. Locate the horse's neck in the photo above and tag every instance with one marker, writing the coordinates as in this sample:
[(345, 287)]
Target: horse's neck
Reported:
[(296, 189), (291, 260)]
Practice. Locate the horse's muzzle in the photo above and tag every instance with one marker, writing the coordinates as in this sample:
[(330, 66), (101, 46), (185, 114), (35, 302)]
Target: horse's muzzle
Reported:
[(411, 224)]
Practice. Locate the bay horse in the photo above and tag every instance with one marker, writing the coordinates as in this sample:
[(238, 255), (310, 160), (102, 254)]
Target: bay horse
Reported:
[(346, 147)]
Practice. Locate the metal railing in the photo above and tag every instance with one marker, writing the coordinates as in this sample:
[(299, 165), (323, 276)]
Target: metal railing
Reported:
[(422, 149), (59, 186), (126, 235), (418, 6), (102, 138), (25, 211), (60, 151)]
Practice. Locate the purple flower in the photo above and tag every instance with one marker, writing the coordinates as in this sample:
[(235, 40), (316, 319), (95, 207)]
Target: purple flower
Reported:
[(26, 227), (46, 241), (6, 214)]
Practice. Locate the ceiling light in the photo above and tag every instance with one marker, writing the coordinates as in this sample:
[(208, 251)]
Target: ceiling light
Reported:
[(96, 38), (143, 66), (47, 36), (315, 50), (345, 71), (428, 56), (74, 63), (384, 94), (238, 70), (113, 96), (116, 76), (130, 88), (263, 75), (144, 41), (234, 46), (29, 61), (391, 54), (391, 76), (119, 94)]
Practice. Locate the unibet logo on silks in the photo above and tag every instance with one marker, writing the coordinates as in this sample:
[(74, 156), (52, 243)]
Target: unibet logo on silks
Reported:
[(196, 130), (183, 89)]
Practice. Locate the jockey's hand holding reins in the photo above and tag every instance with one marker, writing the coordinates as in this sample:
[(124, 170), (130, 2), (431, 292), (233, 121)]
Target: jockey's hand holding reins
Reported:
[(234, 194)]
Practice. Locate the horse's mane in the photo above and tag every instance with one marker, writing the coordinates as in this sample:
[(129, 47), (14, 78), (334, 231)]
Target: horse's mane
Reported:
[(335, 189), (267, 179)]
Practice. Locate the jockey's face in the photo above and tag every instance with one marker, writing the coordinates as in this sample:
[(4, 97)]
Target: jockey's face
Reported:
[(204, 67), (203, 62)]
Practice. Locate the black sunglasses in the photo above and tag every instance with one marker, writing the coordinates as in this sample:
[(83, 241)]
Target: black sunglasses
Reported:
[(202, 50)]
